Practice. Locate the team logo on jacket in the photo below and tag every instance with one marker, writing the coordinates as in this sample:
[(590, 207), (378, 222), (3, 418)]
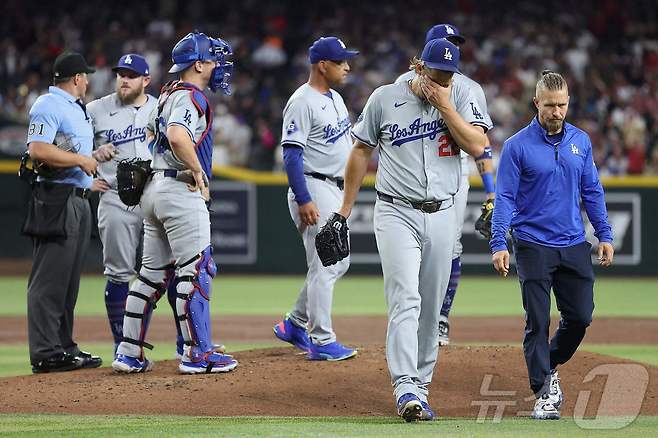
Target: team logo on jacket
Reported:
[(333, 133), (574, 149), (129, 134), (416, 130)]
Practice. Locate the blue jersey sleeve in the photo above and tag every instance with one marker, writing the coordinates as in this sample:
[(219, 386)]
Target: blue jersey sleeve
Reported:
[(593, 197), (44, 121), (293, 160), (507, 186)]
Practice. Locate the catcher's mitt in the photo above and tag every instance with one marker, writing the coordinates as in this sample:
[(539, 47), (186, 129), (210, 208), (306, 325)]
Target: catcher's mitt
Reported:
[(483, 224), (132, 175), (332, 242)]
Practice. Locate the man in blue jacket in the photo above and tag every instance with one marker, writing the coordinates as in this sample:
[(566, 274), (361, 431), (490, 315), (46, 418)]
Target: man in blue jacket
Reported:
[(545, 170)]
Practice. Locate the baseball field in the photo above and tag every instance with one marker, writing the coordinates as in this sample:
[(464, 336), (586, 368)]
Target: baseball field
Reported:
[(610, 385)]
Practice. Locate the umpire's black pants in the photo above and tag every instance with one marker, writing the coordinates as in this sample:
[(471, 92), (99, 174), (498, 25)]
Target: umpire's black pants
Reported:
[(55, 279), (569, 272)]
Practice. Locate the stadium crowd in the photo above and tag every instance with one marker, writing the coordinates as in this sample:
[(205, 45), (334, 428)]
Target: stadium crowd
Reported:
[(607, 50)]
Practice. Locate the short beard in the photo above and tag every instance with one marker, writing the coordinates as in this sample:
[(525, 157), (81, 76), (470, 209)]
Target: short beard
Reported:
[(129, 98)]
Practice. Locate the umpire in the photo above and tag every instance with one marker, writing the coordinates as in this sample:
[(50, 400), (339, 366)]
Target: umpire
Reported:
[(60, 139), (545, 170)]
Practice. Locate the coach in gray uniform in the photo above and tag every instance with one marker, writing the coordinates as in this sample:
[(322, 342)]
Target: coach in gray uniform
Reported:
[(420, 130), (119, 121), (316, 144)]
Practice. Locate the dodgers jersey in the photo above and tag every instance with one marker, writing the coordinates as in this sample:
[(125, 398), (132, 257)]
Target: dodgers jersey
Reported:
[(178, 110), (418, 160), (320, 125), (122, 125), (461, 85)]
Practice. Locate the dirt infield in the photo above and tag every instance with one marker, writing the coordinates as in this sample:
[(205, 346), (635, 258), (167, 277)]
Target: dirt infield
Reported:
[(279, 381)]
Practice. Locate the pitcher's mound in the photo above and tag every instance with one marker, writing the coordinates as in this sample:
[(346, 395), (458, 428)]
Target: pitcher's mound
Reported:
[(281, 382)]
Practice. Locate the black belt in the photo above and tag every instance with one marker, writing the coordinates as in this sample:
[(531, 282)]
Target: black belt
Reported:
[(340, 182), (76, 191), (81, 193), (425, 207), (170, 173)]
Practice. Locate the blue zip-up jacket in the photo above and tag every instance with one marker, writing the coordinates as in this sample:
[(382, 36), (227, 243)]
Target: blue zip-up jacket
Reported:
[(539, 187)]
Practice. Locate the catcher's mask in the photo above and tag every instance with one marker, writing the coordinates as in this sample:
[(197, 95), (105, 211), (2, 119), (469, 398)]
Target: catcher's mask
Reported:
[(197, 46)]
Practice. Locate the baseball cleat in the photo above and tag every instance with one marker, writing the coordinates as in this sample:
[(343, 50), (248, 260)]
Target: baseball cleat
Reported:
[(127, 364), (331, 352), (444, 330), (554, 390), (290, 333), (545, 409), (214, 363), (410, 407), (217, 348), (427, 414)]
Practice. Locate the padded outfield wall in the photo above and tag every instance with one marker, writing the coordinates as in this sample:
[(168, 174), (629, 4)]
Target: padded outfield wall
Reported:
[(252, 230)]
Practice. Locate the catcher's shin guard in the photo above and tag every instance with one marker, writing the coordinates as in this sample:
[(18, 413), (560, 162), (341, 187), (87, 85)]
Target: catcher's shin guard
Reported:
[(193, 305), (141, 301), (172, 283)]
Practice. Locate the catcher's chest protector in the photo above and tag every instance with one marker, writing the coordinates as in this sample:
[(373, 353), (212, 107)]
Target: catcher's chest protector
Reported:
[(204, 145)]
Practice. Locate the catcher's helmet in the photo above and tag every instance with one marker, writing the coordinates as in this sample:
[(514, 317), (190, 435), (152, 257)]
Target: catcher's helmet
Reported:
[(197, 46)]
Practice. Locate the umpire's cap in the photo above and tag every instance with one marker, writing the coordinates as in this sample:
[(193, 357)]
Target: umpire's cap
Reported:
[(69, 64), (329, 49), (444, 31)]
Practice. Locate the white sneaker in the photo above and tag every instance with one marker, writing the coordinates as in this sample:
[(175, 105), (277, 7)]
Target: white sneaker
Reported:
[(554, 390), (545, 409)]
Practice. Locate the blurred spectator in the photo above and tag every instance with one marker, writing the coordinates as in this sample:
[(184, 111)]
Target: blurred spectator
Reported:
[(607, 52)]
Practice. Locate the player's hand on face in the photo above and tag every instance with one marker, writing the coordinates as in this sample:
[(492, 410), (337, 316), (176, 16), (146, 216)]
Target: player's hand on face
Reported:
[(105, 153), (437, 95), (100, 185), (88, 164), (606, 254), (309, 213), (500, 261)]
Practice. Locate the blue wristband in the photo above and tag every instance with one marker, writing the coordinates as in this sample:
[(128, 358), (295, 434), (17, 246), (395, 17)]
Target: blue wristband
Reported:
[(488, 182), (487, 155)]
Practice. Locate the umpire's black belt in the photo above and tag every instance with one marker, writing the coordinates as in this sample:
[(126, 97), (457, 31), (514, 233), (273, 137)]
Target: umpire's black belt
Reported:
[(75, 191), (340, 182), (425, 206)]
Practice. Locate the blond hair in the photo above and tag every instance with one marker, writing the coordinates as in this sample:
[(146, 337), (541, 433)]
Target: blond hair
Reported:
[(550, 81)]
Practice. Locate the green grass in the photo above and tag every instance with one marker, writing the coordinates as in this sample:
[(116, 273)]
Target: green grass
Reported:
[(357, 295), (100, 426), (15, 359), (639, 353)]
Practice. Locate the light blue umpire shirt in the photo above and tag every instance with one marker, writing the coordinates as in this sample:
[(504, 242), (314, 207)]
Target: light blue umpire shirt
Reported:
[(56, 118)]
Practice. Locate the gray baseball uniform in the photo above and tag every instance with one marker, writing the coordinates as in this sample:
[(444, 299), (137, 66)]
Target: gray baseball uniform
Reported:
[(320, 124), (120, 228), (176, 220), (463, 85), (418, 162)]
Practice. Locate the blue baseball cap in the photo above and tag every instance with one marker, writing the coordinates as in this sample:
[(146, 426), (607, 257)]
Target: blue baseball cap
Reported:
[(441, 54), (444, 31), (133, 62), (329, 49)]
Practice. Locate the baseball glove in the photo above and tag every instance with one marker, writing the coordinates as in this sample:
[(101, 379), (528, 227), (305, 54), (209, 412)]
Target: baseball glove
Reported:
[(332, 242), (483, 224), (132, 175)]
